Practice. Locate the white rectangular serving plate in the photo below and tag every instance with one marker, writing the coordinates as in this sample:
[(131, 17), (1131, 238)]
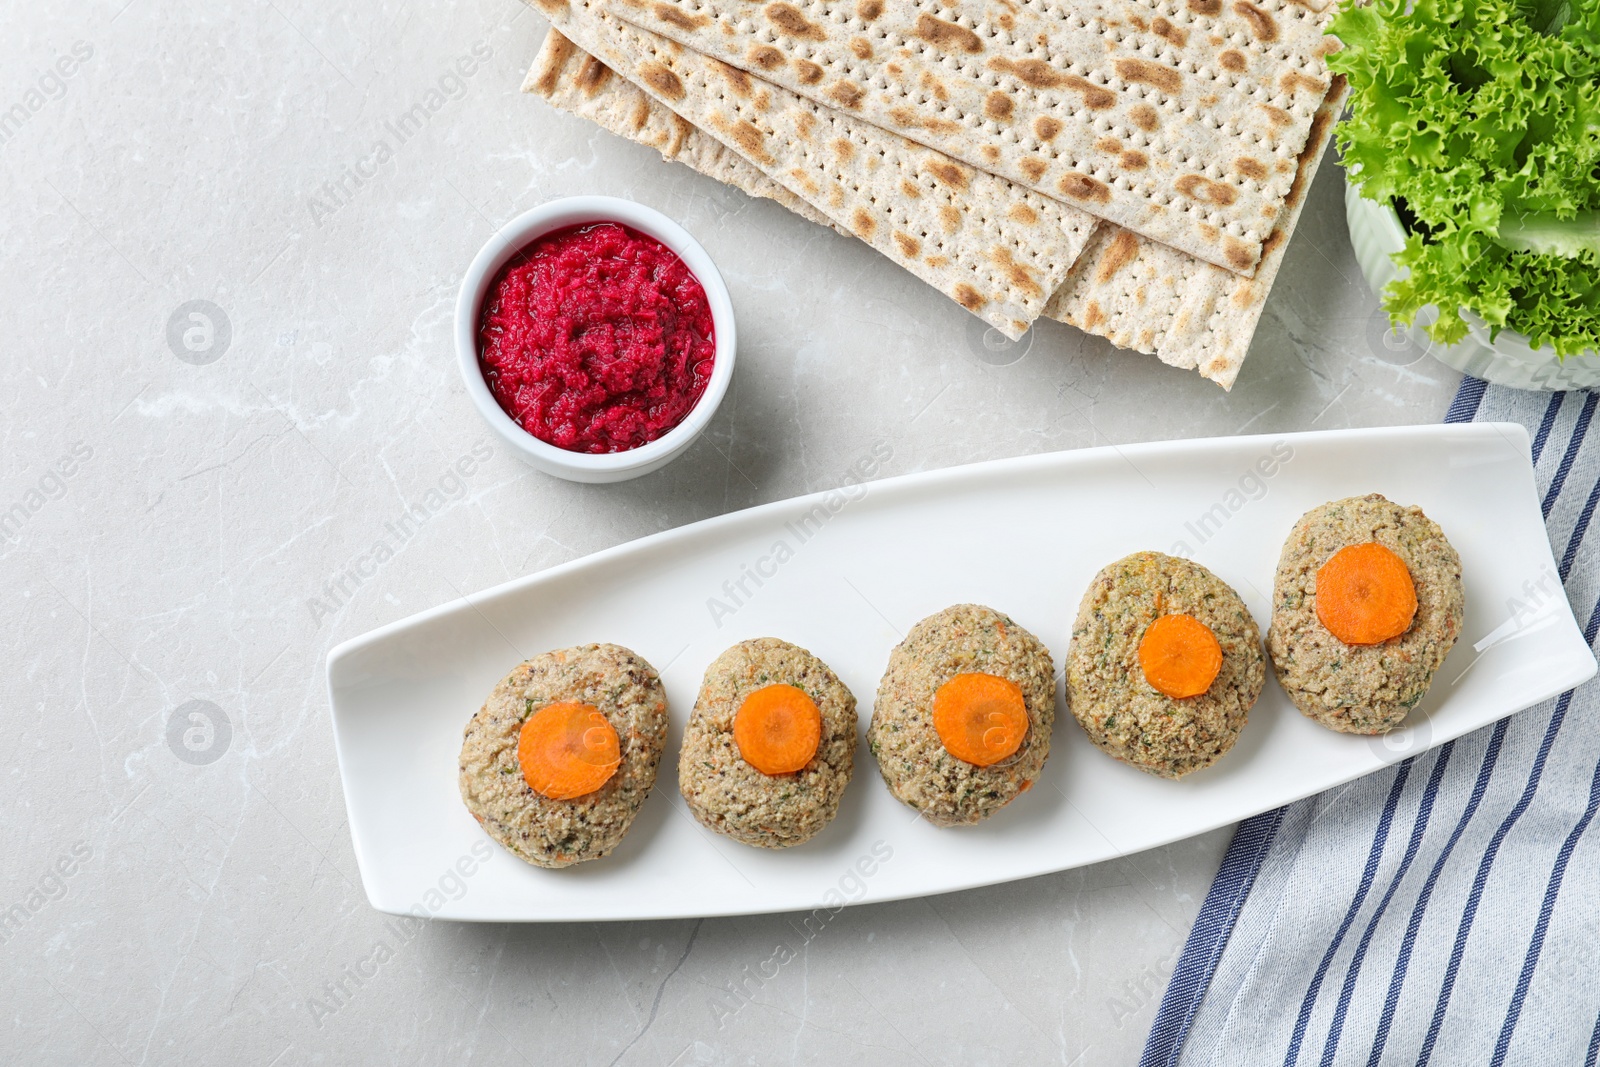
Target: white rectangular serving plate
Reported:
[(859, 566)]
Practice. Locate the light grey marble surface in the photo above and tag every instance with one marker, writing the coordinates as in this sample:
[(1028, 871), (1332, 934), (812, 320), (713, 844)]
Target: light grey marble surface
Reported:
[(171, 524)]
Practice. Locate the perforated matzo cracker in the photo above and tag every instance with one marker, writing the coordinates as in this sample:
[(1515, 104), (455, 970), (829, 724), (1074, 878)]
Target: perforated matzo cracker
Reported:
[(994, 247), (1123, 287), (1181, 120)]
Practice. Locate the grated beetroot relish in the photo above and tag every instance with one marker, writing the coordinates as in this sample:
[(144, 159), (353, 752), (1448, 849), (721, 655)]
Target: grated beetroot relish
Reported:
[(596, 338)]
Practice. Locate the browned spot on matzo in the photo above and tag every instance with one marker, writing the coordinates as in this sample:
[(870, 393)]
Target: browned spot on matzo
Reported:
[(1046, 128), (869, 10), (910, 188), (1237, 253), (952, 174), (991, 153), (674, 17), (1034, 72), (864, 224), (1232, 59), (1082, 187), (939, 262), (1022, 213), (968, 297), (947, 35), (1095, 97), (554, 7), (803, 181), (1211, 8), (1109, 144), (1261, 23), (1277, 115), (843, 148), (1165, 29), (791, 21), (592, 74), (1093, 315), (641, 116), (808, 72), (909, 246), (1019, 276), (737, 79), (1033, 168), (861, 48), (765, 57), (1274, 239), (1144, 116), (1142, 70), (1133, 159), (746, 138), (846, 94), (950, 217), (555, 55), (1293, 81), (657, 77), (997, 106), (1199, 187), (1122, 251), (1250, 168), (1314, 142)]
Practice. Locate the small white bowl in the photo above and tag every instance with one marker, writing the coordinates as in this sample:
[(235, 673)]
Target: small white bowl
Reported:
[(517, 235)]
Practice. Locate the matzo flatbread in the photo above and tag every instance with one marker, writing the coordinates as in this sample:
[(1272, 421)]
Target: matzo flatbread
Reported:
[(995, 248), (573, 80), (1125, 288), (1142, 295), (1180, 121)]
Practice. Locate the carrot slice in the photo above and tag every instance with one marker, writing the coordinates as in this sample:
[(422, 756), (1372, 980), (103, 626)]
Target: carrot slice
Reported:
[(1365, 594), (980, 718), (1180, 656), (567, 750), (778, 729)]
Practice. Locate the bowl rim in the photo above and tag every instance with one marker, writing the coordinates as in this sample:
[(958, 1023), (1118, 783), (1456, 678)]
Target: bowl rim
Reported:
[(516, 235)]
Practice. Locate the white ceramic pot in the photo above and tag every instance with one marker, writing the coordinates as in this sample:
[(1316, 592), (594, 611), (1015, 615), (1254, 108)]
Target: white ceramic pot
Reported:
[(1377, 234)]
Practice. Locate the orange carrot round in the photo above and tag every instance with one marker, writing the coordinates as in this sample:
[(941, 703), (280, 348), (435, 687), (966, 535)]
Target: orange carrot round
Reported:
[(567, 750), (1365, 594), (1180, 656), (778, 729), (981, 718)]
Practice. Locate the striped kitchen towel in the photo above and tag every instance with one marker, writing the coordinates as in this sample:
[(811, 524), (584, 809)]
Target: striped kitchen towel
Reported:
[(1445, 910)]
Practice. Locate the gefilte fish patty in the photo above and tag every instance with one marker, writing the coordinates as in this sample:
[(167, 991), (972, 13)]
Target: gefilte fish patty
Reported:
[(919, 771), (1123, 714), (1363, 689), (728, 795), (559, 833)]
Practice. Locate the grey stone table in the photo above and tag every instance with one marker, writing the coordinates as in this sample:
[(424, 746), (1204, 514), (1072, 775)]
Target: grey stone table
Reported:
[(178, 508)]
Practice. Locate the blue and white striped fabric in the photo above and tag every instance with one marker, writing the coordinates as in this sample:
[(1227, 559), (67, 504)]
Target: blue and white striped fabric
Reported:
[(1444, 911)]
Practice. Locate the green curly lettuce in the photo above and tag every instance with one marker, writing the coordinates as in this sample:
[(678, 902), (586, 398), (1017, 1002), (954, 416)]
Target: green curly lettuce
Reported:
[(1482, 117)]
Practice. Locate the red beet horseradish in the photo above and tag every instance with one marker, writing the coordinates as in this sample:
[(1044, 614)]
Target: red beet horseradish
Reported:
[(596, 338)]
